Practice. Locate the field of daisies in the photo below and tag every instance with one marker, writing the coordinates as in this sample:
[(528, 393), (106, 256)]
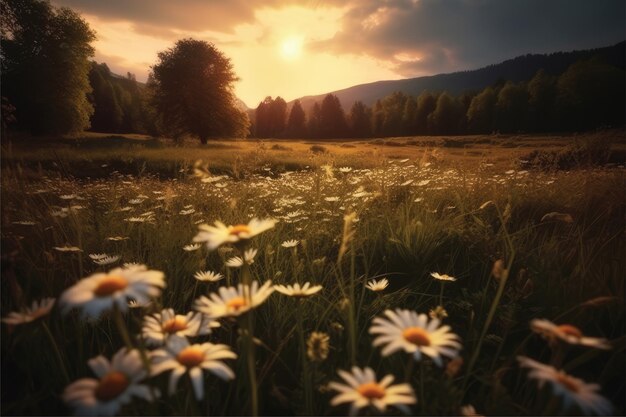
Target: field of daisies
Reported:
[(406, 288)]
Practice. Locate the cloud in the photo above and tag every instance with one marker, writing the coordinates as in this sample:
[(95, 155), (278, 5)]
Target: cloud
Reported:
[(417, 37)]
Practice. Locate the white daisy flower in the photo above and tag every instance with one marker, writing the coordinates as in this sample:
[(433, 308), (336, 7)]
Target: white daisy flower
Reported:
[(159, 326), (215, 236), (208, 276), (237, 261), (67, 248), (180, 357), (101, 291), (290, 243), (571, 390), (376, 286), (192, 247), (117, 383), (107, 260), (413, 333), (37, 309), (234, 301), (117, 238), (442, 277), (297, 291), (363, 389), (345, 170), (567, 333)]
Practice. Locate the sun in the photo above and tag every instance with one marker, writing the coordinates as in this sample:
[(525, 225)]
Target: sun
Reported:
[(291, 47)]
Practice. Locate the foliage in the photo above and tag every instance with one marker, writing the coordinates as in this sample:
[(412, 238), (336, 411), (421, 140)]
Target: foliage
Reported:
[(45, 66), (192, 92)]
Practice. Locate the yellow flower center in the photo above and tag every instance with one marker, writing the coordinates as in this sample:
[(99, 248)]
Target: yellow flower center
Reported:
[(568, 382), (111, 386), (236, 303), (175, 325), (109, 285), (570, 330), (417, 336), (238, 229), (371, 390), (190, 356)]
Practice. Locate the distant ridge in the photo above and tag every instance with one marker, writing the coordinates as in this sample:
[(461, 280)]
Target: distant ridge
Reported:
[(517, 69)]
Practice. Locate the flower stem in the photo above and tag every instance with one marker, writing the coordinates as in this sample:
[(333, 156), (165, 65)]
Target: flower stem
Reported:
[(306, 377), (121, 326), (57, 352)]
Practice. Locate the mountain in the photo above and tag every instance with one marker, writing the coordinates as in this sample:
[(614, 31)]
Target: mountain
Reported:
[(517, 69)]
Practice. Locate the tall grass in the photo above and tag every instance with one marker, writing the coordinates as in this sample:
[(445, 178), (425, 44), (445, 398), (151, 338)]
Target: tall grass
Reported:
[(411, 218)]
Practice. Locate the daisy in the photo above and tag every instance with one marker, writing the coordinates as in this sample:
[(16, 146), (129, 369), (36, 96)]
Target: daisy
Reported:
[(192, 247), (237, 261), (180, 357), (442, 277), (290, 243), (117, 383), (345, 170), (67, 248), (208, 276), (299, 292), (571, 390), (231, 301), (37, 309), (567, 333), (215, 236), (362, 390), (107, 260), (377, 286), (413, 333), (102, 291), (317, 346), (160, 326)]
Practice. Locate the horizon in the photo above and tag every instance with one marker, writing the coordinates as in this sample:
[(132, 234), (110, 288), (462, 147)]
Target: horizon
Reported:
[(309, 48)]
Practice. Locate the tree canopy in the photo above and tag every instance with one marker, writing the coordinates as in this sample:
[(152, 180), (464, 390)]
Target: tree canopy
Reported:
[(192, 92), (45, 66)]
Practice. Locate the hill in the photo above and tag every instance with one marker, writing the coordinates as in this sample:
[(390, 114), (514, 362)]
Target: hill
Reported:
[(517, 69)]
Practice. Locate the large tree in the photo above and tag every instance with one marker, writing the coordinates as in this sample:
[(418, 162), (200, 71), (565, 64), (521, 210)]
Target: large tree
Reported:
[(45, 65), (192, 91), (296, 124)]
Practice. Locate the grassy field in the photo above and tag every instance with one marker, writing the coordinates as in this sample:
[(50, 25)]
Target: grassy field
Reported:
[(527, 236)]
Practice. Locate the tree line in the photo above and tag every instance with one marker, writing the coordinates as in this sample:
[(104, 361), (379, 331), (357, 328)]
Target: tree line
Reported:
[(588, 95)]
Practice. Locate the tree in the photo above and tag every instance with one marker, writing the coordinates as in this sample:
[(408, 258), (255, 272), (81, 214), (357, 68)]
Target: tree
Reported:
[(332, 118), (360, 124), (408, 116), (315, 121), (512, 108), (296, 124), (448, 116), (480, 113), (192, 87), (426, 103), (278, 117), (541, 100), (45, 66), (393, 109)]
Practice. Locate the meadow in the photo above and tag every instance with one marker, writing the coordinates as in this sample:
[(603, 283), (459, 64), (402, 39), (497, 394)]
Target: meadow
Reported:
[(483, 271)]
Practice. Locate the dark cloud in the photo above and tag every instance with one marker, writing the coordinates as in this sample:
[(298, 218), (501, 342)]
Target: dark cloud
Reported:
[(429, 36)]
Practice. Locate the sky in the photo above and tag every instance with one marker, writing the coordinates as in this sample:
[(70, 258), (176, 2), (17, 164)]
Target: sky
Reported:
[(297, 48)]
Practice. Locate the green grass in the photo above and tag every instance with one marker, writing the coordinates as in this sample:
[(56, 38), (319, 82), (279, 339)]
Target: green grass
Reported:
[(565, 272)]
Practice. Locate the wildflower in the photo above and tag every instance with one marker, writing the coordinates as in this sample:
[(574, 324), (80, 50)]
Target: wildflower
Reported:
[(37, 309), (363, 389), (237, 261), (290, 243), (106, 259), (331, 199), (571, 390), (117, 238), (438, 312), (102, 291), (234, 301), (159, 326), (192, 247), (297, 291), (208, 276), (442, 277), (567, 333), (317, 346), (413, 333), (345, 170), (377, 286), (180, 357), (215, 236), (25, 223), (67, 248), (117, 383)]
